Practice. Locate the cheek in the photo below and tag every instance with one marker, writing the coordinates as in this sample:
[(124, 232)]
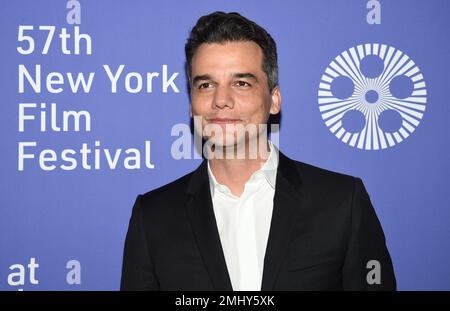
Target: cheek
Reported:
[(199, 107), (259, 110)]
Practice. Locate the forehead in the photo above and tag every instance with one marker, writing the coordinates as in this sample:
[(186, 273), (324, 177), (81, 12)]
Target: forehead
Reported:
[(227, 57)]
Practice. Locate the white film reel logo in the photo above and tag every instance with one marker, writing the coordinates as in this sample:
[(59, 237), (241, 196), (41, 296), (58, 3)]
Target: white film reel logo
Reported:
[(372, 96)]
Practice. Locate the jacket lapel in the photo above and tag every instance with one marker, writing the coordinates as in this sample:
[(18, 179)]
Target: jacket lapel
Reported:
[(286, 201), (201, 214), (200, 211)]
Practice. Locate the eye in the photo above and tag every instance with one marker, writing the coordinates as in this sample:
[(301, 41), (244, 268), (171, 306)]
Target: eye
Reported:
[(204, 85), (243, 84)]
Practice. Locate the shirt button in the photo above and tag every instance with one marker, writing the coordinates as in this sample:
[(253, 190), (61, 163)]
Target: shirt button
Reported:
[(223, 189)]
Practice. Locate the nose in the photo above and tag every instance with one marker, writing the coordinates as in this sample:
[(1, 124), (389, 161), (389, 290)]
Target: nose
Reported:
[(223, 98)]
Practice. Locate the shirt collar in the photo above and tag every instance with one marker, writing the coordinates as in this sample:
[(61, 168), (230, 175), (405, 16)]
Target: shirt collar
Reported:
[(269, 171)]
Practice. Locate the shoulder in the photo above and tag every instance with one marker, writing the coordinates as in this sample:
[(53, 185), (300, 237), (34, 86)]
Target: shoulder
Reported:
[(316, 174), (159, 206), (312, 175), (330, 193), (321, 184), (172, 196), (170, 192)]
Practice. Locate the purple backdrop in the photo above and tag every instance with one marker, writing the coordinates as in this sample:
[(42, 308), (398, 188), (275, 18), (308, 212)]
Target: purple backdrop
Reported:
[(61, 215)]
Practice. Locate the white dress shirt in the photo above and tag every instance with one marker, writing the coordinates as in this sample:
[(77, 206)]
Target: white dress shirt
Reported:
[(244, 223)]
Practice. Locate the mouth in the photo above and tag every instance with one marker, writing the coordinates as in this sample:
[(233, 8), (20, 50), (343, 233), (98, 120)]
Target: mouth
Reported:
[(223, 120)]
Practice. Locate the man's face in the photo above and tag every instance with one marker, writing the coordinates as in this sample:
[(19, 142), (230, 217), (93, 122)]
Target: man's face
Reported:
[(229, 87)]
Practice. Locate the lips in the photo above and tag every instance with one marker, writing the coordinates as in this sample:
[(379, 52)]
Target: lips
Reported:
[(223, 120)]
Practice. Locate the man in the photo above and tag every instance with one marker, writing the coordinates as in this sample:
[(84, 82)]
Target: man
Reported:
[(260, 221)]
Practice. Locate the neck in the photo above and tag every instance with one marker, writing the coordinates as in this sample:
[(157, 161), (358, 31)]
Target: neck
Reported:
[(235, 172)]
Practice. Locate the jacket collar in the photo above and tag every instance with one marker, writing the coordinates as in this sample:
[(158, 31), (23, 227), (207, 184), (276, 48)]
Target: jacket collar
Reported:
[(201, 215)]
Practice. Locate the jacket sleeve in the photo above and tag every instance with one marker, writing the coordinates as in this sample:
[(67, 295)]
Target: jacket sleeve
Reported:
[(137, 268), (367, 264)]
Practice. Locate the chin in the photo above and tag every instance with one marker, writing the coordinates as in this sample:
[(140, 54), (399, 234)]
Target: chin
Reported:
[(229, 145), (221, 142)]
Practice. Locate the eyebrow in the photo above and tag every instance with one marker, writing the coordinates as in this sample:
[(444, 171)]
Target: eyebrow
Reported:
[(245, 75), (206, 77), (201, 78)]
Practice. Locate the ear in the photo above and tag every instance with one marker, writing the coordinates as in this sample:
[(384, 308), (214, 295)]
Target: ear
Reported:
[(190, 110), (276, 100)]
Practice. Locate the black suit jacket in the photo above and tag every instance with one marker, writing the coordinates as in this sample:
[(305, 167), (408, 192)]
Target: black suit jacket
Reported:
[(323, 233)]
